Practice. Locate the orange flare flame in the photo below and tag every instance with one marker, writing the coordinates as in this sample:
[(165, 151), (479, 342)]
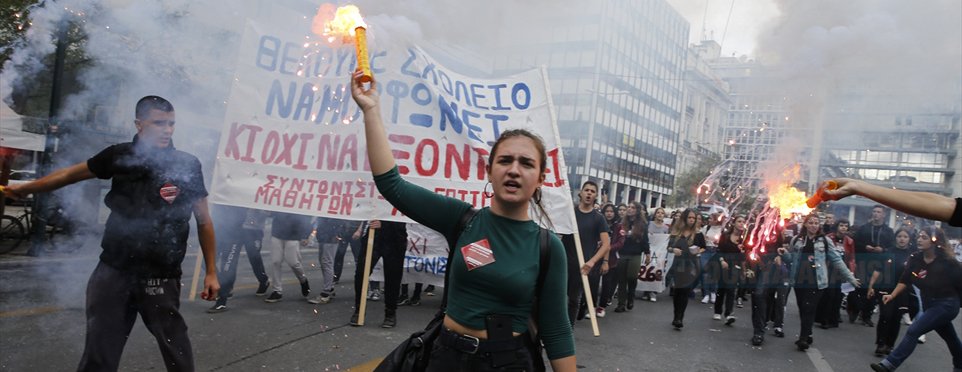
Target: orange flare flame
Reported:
[(346, 19), (348, 23), (788, 200)]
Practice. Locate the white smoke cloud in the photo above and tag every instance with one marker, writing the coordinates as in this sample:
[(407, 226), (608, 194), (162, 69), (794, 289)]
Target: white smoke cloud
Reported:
[(912, 51)]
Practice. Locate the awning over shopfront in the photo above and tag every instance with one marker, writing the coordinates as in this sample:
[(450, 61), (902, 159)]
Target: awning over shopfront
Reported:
[(12, 134)]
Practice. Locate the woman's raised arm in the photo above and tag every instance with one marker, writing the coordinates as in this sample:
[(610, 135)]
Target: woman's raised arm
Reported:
[(378, 148)]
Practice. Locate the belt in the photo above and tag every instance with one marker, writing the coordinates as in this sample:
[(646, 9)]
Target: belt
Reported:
[(473, 345)]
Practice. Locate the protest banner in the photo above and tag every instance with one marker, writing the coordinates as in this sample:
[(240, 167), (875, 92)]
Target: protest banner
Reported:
[(651, 277), (293, 139)]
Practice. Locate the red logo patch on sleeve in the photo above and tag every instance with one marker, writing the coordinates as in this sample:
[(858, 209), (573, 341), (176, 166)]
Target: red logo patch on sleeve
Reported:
[(477, 254), (169, 192)]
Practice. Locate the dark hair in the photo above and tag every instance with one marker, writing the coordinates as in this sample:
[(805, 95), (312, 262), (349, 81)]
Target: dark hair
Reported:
[(879, 206), (730, 226), (637, 224), (841, 221), (939, 243), (605, 208), (592, 183), (730, 229), (144, 105), (907, 232), (542, 164), (804, 230), (655, 213), (682, 224)]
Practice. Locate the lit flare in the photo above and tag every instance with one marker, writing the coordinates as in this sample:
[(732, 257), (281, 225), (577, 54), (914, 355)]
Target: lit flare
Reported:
[(820, 193), (348, 23)]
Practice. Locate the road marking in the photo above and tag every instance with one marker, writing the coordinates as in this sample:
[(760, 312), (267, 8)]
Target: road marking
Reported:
[(366, 366), (30, 311), (818, 360)]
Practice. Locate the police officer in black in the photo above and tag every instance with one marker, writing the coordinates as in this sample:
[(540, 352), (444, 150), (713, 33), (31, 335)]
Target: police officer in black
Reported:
[(155, 189)]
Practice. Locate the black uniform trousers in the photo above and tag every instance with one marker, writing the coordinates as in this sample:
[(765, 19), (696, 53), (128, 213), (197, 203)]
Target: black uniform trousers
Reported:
[(114, 298)]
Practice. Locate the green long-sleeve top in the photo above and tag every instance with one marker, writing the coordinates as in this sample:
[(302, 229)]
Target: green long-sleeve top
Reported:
[(507, 285)]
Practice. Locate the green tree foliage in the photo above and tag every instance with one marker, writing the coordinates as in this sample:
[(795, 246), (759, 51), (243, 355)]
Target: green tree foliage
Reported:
[(685, 184), (33, 99), (14, 22)]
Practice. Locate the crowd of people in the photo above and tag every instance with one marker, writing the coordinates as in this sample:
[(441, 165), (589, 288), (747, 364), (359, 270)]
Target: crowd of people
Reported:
[(910, 275), (814, 257)]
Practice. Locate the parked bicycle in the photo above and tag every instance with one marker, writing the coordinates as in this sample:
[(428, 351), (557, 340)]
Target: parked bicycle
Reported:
[(15, 230)]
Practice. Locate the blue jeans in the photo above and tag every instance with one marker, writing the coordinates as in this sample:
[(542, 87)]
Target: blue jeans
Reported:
[(938, 316)]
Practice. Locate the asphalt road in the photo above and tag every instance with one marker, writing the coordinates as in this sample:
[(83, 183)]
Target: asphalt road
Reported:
[(42, 328)]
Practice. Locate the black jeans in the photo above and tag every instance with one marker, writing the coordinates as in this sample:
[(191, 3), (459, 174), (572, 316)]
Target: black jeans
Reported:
[(768, 304), (887, 331), (859, 304), (829, 307), (576, 290), (680, 301), (726, 296), (609, 282), (393, 270), (445, 359), (114, 298), (807, 299)]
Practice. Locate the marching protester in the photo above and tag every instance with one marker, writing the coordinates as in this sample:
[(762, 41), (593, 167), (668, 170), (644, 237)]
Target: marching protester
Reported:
[(883, 282), (240, 228), (344, 241), (154, 191), (728, 263), (288, 233), (828, 226), (390, 243), (829, 309), (595, 243), (634, 247), (504, 231), (327, 233), (708, 278), (657, 225), (770, 295), (609, 282), (938, 276), (686, 243), (811, 256), (872, 240)]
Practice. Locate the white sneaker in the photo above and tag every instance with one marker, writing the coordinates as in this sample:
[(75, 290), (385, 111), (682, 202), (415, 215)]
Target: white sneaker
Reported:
[(600, 312), (906, 319), (922, 339), (653, 298), (712, 300), (705, 299), (716, 316)]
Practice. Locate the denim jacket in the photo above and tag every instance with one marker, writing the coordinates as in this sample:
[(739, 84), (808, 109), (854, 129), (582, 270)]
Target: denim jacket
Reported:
[(825, 254)]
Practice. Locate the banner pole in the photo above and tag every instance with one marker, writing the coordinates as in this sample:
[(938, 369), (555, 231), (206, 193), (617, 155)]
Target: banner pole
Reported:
[(368, 254), (571, 211)]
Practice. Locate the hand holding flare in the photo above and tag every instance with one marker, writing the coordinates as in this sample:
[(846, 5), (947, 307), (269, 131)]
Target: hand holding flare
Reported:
[(820, 193)]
